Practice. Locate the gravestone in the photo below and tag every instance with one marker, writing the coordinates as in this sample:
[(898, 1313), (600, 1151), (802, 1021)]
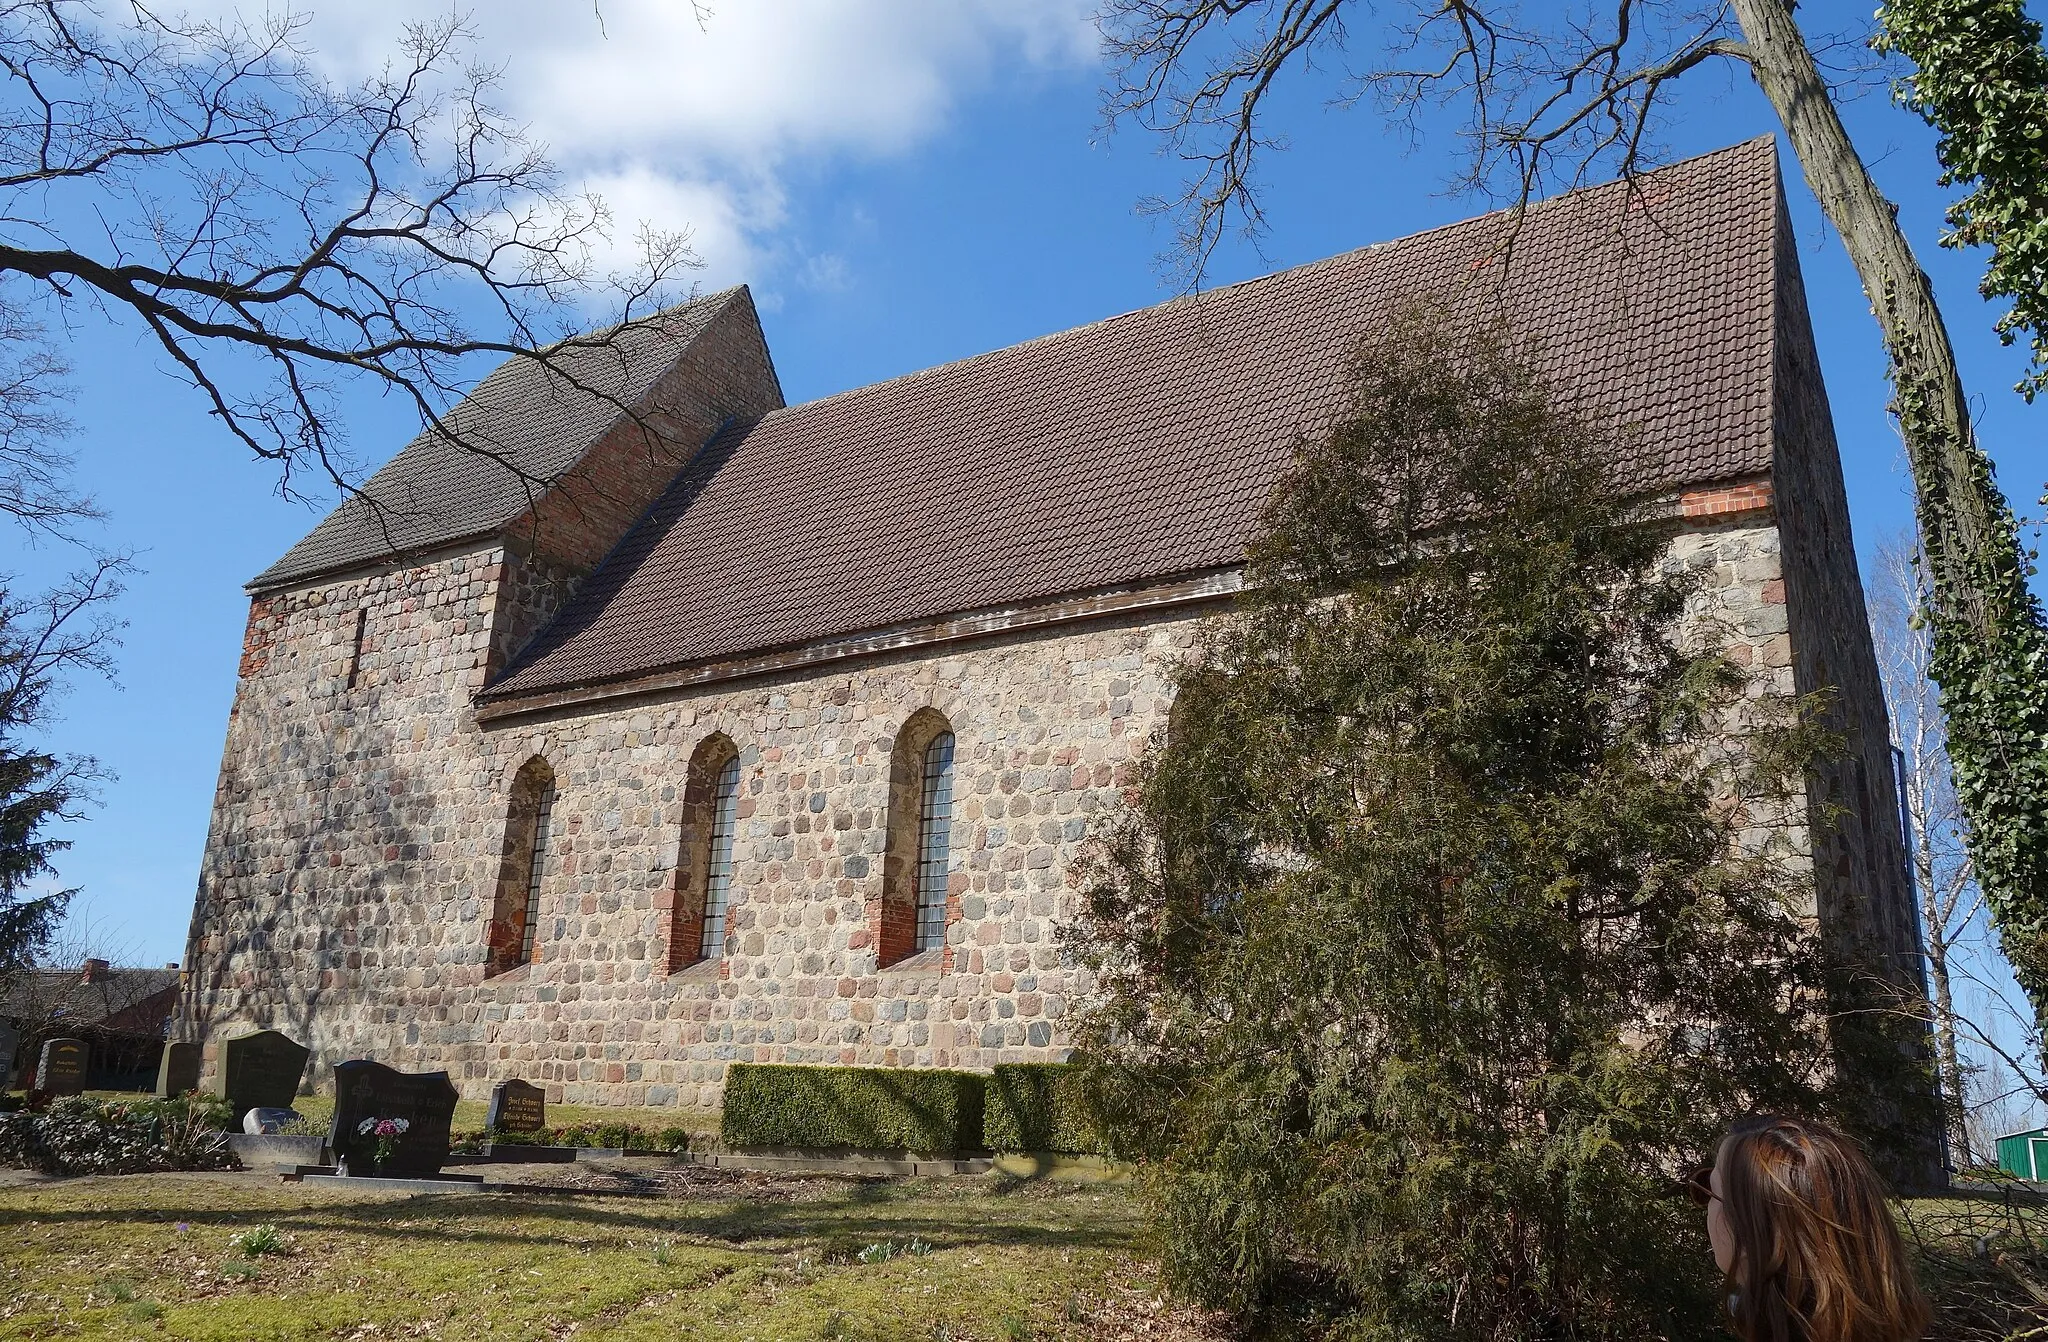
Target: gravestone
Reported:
[(10, 1042), (178, 1071), (261, 1071), (61, 1071), (269, 1122), (517, 1107), (366, 1090)]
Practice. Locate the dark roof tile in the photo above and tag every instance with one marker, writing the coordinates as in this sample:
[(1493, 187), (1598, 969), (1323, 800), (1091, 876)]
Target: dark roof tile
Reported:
[(1143, 446), (537, 420)]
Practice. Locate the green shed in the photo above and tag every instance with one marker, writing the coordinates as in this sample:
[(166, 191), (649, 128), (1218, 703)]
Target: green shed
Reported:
[(2025, 1154)]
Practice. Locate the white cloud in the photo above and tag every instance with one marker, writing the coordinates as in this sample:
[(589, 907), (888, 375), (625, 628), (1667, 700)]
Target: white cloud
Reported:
[(728, 222), (689, 127)]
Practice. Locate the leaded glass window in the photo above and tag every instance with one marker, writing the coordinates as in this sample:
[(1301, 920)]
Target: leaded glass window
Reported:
[(725, 803), (536, 870), (934, 841)]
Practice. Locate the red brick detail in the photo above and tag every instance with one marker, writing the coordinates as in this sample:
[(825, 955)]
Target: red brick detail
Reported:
[(266, 620), (893, 924), (686, 925), (1726, 500), (502, 944)]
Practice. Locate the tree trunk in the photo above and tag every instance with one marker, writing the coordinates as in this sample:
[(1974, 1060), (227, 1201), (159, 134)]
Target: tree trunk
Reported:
[(1989, 641), (1900, 294), (1946, 1057)]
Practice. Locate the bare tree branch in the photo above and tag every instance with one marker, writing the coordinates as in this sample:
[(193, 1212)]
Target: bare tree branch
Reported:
[(1544, 108), (43, 640), (276, 234), (35, 471)]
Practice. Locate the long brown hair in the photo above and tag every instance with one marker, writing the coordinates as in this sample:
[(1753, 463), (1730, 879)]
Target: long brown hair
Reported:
[(1818, 1256)]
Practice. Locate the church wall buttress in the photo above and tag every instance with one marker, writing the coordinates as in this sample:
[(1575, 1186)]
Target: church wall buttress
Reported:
[(336, 810)]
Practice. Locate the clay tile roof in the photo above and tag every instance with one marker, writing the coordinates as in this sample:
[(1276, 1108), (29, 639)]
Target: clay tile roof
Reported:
[(1140, 448), (537, 420), (135, 1001)]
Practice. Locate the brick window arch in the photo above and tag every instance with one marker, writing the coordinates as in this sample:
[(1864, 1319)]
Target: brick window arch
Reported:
[(523, 868), (702, 885), (916, 903)]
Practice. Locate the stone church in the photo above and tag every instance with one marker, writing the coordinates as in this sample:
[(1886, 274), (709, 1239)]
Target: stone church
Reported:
[(685, 726)]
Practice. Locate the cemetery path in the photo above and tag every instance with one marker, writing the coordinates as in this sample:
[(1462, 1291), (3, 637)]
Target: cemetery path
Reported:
[(699, 1253)]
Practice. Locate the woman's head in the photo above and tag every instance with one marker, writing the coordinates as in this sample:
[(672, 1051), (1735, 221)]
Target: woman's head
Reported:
[(1801, 1230)]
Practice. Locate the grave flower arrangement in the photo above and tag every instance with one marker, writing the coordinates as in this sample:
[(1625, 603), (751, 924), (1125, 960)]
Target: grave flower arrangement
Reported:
[(384, 1135)]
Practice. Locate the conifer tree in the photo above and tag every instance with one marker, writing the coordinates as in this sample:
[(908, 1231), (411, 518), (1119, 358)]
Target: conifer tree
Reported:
[(1455, 912), (42, 639)]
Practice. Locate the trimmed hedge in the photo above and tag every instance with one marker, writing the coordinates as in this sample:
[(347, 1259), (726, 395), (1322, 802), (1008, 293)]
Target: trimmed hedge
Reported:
[(927, 1111), (1040, 1106), (603, 1136)]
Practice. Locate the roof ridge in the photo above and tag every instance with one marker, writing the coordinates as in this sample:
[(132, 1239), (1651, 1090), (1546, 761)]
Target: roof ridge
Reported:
[(1305, 268), (719, 298)]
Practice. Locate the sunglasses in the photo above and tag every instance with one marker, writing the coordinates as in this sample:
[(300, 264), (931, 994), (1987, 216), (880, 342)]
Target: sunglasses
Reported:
[(1699, 1185)]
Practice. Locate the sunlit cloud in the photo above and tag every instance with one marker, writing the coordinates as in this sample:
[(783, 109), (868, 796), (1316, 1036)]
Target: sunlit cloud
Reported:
[(695, 128)]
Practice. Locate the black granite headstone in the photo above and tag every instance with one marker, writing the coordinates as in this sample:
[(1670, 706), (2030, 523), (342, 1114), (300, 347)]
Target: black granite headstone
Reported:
[(370, 1090), (516, 1107), (61, 1070), (261, 1071), (178, 1071), (10, 1043)]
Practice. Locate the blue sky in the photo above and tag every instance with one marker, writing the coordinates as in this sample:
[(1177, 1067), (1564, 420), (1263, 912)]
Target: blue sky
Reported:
[(902, 184)]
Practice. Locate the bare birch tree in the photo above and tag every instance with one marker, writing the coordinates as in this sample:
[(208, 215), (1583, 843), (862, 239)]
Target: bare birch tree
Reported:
[(1950, 901), (1553, 95)]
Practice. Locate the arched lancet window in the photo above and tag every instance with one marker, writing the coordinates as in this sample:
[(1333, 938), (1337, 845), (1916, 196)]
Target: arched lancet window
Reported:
[(703, 881), (934, 841), (718, 887), (523, 868), (913, 909)]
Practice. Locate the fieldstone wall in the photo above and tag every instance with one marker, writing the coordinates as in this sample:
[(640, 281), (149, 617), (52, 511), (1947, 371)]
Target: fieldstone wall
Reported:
[(345, 895), (334, 806), (357, 836), (1865, 890)]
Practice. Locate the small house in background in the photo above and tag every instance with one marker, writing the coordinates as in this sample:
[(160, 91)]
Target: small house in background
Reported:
[(121, 1013), (2025, 1154)]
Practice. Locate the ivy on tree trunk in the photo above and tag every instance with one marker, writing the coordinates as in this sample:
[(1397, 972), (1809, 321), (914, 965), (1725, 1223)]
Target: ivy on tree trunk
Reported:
[(1981, 79), (1990, 642)]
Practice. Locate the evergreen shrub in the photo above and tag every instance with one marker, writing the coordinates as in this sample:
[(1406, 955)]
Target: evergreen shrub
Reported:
[(1457, 907), (1041, 1106), (86, 1135), (853, 1108)]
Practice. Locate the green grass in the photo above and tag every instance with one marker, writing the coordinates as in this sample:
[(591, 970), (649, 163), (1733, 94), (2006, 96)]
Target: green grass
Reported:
[(167, 1256), (157, 1256), (1984, 1262)]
